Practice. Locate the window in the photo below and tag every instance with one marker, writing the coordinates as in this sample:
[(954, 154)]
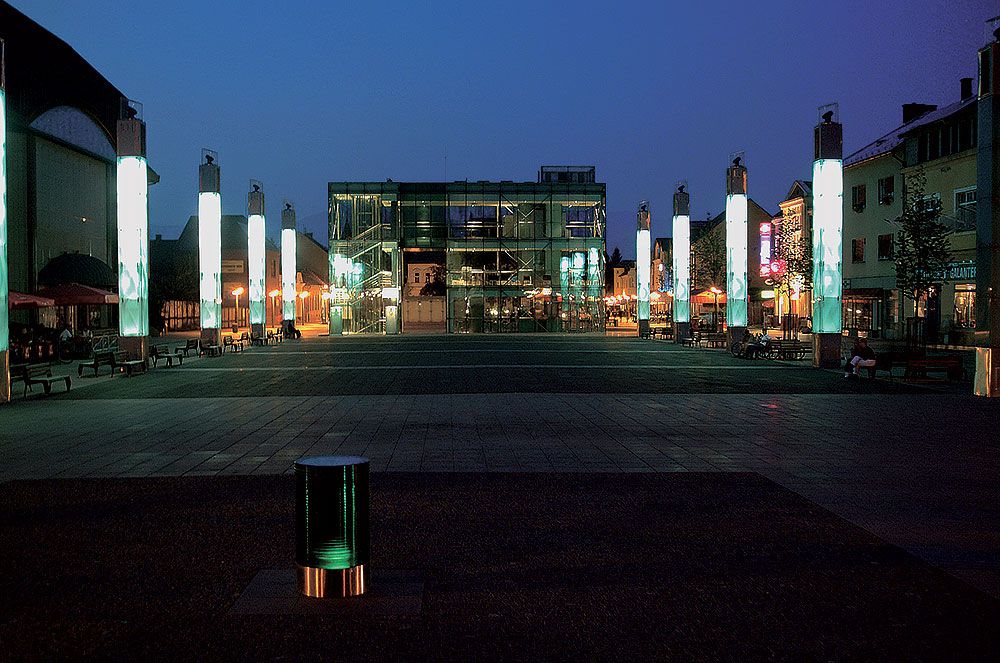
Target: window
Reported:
[(886, 190), (886, 250), (965, 208), (858, 197), (965, 305), (416, 277), (858, 249)]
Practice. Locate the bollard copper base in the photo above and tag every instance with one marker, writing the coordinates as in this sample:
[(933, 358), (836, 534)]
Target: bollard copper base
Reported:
[(332, 583)]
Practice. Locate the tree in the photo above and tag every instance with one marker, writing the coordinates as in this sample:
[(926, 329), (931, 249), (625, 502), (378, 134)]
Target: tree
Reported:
[(616, 258), (923, 246), (610, 262), (708, 261), (173, 276), (793, 249)]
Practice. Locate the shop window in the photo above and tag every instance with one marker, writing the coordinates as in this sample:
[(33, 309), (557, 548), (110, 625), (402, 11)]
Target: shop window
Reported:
[(859, 195), (886, 190), (886, 248), (965, 305), (858, 249)]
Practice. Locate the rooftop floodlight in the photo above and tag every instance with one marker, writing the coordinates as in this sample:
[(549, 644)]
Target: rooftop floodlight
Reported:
[(4, 323), (288, 264), (133, 228), (256, 232), (827, 235), (736, 246), (682, 262), (210, 247), (642, 267)]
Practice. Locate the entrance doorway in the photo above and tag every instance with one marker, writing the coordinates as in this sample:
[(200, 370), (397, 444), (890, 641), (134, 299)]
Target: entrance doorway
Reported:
[(424, 290)]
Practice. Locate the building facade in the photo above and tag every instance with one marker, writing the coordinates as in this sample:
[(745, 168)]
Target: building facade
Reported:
[(938, 148), (517, 256), (61, 150)]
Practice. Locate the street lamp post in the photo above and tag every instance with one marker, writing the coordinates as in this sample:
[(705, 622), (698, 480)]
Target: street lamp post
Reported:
[(827, 238), (210, 249), (715, 314), (4, 324), (236, 293), (682, 264), (131, 175), (642, 260), (736, 248)]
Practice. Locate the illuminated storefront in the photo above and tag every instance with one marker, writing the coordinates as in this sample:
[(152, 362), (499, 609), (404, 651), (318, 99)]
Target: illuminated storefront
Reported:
[(517, 256)]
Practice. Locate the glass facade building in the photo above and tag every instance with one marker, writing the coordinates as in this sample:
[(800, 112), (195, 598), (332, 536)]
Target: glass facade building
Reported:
[(516, 256)]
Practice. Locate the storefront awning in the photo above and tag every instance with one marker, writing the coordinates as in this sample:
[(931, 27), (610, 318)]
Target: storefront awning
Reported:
[(75, 294), (864, 293), (21, 300)]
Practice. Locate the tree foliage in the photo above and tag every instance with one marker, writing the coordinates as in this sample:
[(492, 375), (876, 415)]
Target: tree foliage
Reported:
[(436, 287), (793, 247), (923, 246), (708, 261)]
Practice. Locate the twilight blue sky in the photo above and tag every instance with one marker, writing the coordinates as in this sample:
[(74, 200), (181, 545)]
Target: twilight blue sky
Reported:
[(299, 93)]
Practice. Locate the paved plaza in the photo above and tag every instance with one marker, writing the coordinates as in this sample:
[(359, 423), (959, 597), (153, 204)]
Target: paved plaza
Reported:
[(910, 464)]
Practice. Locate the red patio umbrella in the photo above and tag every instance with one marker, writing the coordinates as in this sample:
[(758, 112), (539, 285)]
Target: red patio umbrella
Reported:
[(21, 300), (76, 294)]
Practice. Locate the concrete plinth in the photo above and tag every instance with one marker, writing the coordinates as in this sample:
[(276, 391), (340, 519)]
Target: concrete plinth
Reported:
[(4, 376), (987, 378), (734, 334), (211, 336), (681, 330), (137, 347), (257, 329), (827, 350), (643, 328)]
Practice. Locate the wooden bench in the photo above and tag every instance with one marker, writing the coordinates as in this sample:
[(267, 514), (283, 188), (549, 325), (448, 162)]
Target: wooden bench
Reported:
[(783, 348), (191, 344), (691, 341), (100, 359), (209, 349), (234, 344), (950, 365), (129, 366), (40, 374), (714, 340), (158, 352)]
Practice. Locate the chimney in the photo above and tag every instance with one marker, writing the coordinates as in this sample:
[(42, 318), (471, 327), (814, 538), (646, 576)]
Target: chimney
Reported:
[(159, 237), (912, 111), (966, 88)]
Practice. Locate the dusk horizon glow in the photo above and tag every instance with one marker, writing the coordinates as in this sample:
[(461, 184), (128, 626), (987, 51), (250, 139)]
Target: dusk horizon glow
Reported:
[(298, 96)]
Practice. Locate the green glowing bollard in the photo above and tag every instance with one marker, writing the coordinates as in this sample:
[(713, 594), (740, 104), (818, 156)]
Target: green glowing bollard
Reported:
[(288, 267), (827, 237), (643, 258), (332, 532), (682, 263), (256, 257)]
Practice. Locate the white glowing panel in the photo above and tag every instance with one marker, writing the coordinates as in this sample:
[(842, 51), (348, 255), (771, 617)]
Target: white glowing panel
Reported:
[(594, 273), (210, 258), (288, 274), (133, 243), (736, 259), (642, 260), (682, 268), (828, 231), (256, 268), (4, 323)]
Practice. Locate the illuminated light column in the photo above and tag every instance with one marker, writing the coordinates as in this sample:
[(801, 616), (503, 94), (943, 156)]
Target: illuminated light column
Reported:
[(4, 322), (564, 262), (210, 249), (133, 232), (577, 268), (736, 249), (642, 266), (256, 231), (594, 285), (827, 238), (682, 264), (288, 268)]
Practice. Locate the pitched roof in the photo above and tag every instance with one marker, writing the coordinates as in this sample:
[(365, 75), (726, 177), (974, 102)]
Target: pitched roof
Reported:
[(894, 138)]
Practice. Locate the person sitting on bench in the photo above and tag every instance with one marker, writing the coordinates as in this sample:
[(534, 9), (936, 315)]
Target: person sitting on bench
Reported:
[(861, 357)]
